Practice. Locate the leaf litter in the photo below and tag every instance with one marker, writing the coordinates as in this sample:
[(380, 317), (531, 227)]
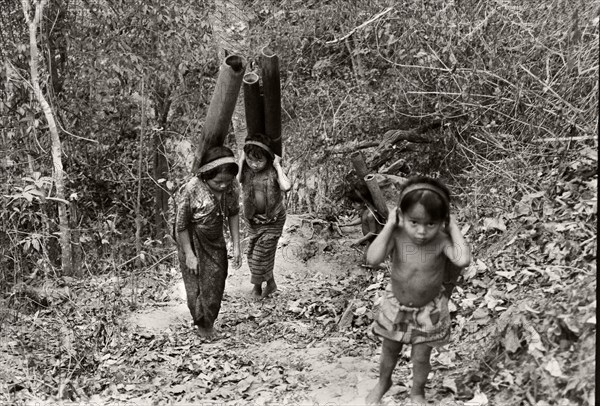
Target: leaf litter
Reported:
[(524, 325)]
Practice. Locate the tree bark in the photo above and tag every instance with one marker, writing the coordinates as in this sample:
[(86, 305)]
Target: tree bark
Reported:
[(58, 173), (161, 164), (55, 34), (161, 194), (138, 205)]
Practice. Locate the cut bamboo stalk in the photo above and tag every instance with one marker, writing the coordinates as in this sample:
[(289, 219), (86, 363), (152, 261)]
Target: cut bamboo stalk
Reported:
[(269, 63), (253, 105), (222, 104), (378, 203)]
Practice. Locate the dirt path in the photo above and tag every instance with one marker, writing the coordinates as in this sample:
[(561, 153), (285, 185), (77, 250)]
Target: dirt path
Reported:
[(294, 331)]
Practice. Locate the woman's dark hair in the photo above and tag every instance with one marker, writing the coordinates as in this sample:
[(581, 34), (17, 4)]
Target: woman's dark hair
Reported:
[(255, 150), (213, 154), (435, 205)]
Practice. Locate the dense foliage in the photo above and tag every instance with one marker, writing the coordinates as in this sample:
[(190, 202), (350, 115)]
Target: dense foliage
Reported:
[(105, 66)]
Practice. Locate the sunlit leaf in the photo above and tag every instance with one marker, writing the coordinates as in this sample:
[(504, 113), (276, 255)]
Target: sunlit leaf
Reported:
[(553, 367)]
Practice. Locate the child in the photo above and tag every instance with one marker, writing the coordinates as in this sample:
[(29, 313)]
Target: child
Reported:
[(420, 237), (202, 205), (361, 200), (262, 181)]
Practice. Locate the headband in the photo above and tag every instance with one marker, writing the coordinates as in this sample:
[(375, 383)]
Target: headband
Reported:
[(261, 145), (424, 186), (217, 162)]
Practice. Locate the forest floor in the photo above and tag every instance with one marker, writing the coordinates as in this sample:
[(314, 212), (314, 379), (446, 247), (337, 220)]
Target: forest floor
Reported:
[(524, 323)]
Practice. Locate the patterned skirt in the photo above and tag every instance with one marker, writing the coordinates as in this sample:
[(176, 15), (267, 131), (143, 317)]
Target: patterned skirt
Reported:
[(413, 325), (261, 248), (204, 290)]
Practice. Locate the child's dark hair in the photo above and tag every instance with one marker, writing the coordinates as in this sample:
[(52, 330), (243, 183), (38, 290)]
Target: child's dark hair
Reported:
[(213, 154), (254, 150), (357, 190), (436, 206)]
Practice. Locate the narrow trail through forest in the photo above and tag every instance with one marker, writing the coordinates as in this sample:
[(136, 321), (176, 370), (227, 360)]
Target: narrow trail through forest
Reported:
[(288, 348)]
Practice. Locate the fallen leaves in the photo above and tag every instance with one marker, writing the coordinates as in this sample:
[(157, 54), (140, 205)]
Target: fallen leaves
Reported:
[(553, 367)]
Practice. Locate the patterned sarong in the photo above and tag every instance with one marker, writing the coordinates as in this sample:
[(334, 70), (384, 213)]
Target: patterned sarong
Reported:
[(201, 216), (413, 325), (262, 246)]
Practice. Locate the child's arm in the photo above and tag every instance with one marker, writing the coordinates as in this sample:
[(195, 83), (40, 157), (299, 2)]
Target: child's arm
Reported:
[(383, 244), (369, 227), (284, 182), (458, 250), (356, 222), (234, 228), (362, 240)]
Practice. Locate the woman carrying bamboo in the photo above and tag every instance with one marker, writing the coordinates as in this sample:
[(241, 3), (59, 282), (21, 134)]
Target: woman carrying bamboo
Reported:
[(202, 205)]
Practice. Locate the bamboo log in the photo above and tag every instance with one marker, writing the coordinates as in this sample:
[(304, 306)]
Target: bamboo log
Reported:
[(253, 105), (377, 195), (222, 104), (269, 63)]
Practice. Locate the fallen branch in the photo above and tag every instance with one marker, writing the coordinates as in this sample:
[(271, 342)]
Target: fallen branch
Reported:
[(390, 138), (356, 147), (414, 135), (352, 31), (554, 139)]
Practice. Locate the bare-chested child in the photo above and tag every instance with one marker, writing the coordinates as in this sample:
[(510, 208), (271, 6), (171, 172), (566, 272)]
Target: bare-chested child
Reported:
[(425, 244), (263, 184)]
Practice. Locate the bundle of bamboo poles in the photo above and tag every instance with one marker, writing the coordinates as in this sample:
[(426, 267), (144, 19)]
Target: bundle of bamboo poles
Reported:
[(263, 103)]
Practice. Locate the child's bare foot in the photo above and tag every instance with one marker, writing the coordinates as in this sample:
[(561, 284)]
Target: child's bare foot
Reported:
[(206, 333), (271, 287), (257, 291), (374, 397), (417, 399)]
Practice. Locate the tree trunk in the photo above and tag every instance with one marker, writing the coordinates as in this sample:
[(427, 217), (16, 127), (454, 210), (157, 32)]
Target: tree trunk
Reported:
[(138, 204), (161, 164), (77, 252), (58, 173), (161, 195), (55, 35)]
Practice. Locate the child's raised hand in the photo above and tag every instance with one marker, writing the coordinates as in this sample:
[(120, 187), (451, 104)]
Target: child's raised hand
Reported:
[(393, 217), (452, 222), (276, 161)]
